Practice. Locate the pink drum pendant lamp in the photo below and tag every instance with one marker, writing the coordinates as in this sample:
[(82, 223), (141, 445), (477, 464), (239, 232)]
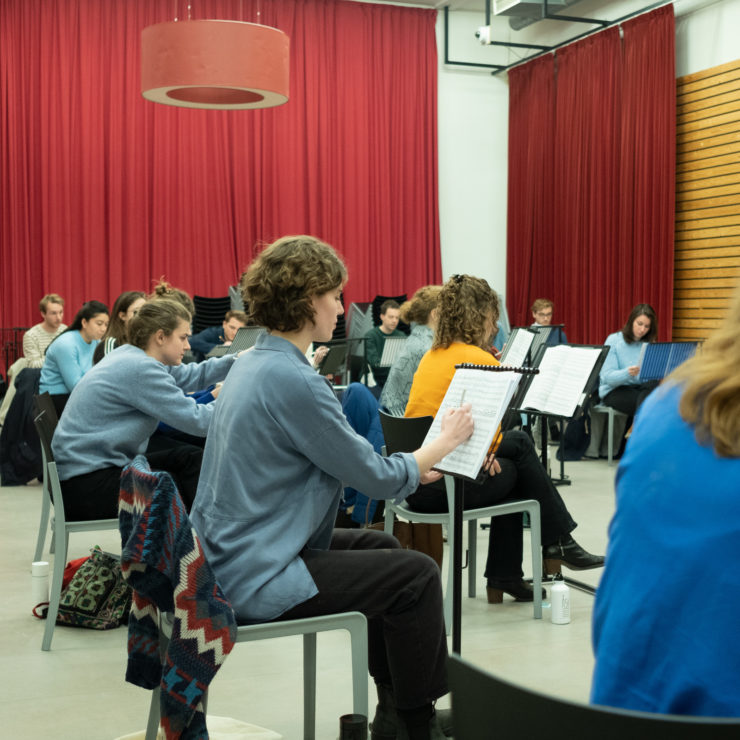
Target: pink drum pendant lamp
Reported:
[(226, 65)]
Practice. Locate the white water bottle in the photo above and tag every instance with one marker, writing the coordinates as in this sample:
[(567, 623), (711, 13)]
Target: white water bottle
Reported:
[(39, 583), (560, 601)]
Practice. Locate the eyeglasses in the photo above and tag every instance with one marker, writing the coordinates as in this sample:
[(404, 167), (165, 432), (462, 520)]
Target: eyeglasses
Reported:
[(544, 314)]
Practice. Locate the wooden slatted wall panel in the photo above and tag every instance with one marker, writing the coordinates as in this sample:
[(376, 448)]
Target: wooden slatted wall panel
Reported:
[(707, 259)]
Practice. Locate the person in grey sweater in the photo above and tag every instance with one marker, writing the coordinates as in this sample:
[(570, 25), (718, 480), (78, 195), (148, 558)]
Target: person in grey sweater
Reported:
[(116, 407)]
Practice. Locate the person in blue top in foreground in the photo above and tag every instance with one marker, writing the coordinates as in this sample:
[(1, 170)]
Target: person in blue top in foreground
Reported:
[(278, 452), (665, 616)]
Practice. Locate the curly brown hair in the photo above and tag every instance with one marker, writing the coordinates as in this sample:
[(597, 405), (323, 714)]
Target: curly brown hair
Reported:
[(422, 303), (279, 285), (467, 306)]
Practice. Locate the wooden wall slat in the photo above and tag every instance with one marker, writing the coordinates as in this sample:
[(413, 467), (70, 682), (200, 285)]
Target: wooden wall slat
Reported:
[(709, 211), (703, 169), (698, 134), (705, 77), (709, 192), (731, 200)]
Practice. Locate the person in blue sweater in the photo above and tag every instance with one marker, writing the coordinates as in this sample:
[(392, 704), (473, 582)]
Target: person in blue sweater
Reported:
[(265, 514), (213, 336), (619, 384), (70, 355), (117, 405), (665, 615)]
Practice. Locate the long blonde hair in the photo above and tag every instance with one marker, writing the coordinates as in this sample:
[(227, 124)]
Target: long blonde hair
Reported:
[(710, 401)]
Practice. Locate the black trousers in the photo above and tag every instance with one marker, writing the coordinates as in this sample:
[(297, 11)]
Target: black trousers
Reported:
[(95, 495), (400, 593), (627, 398), (522, 476)]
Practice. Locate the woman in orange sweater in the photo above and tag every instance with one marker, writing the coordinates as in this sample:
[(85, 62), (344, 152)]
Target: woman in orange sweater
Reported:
[(468, 311)]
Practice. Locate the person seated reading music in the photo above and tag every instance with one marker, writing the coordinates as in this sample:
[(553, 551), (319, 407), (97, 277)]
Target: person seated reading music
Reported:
[(375, 339), (70, 355), (468, 311), (421, 313), (665, 631), (126, 306), (619, 383), (214, 336), (117, 405), (265, 518), (542, 310), (35, 342)]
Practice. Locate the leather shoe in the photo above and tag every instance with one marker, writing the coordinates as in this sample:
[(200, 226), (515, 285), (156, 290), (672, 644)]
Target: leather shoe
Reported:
[(568, 552), (519, 589)]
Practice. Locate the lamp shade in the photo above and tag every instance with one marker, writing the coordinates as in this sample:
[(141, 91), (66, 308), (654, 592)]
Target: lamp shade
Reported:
[(228, 65)]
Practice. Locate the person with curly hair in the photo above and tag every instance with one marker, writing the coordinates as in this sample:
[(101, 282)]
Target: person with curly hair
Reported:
[(266, 517), (468, 311), (665, 631)]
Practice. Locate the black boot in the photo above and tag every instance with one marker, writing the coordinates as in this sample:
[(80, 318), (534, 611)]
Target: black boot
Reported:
[(385, 722), (518, 588), (566, 551), (388, 725)]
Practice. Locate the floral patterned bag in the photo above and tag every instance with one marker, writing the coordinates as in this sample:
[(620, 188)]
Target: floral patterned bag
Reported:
[(97, 597)]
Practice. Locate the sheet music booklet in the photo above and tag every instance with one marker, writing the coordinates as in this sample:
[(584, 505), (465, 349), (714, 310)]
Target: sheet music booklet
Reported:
[(489, 389), (658, 359), (567, 374), (517, 347)]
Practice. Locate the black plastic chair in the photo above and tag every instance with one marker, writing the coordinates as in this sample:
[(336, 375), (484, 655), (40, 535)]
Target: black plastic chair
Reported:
[(484, 705), (209, 311)]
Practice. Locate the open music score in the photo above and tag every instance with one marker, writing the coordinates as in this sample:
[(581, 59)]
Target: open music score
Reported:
[(489, 389), (560, 387)]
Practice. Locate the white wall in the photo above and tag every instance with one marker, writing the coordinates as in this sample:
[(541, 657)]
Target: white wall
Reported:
[(473, 118)]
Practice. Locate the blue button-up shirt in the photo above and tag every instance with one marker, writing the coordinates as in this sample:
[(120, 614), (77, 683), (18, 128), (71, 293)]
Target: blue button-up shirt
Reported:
[(279, 451)]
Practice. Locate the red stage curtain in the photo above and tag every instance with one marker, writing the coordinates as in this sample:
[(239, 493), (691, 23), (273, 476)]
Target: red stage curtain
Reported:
[(103, 191), (600, 237)]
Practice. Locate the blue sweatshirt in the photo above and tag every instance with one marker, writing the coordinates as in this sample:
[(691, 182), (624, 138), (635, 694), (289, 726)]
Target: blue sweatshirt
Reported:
[(116, 407), (621, 356), (67, 359)]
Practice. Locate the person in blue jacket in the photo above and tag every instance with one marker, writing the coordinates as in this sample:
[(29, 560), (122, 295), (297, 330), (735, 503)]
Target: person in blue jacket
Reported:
[(70, 355), (115, 408), (278, 451), (213, 336), (619, 383), (665, 615)]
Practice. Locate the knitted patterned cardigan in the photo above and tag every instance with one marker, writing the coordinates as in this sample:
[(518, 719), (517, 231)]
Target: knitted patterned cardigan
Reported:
[(164, 563)]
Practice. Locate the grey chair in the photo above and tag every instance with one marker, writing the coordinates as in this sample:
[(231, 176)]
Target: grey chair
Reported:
[(354, 622), (484, 705), (612, 415), (45, 421), (406, 435)]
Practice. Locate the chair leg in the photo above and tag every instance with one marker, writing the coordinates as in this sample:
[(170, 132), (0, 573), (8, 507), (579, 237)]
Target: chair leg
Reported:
[(358, 641), (610, 435), (152, 725), (472, 556), (309, 686), (447, 603), (43, 524), (56, 591), (536, 540)]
